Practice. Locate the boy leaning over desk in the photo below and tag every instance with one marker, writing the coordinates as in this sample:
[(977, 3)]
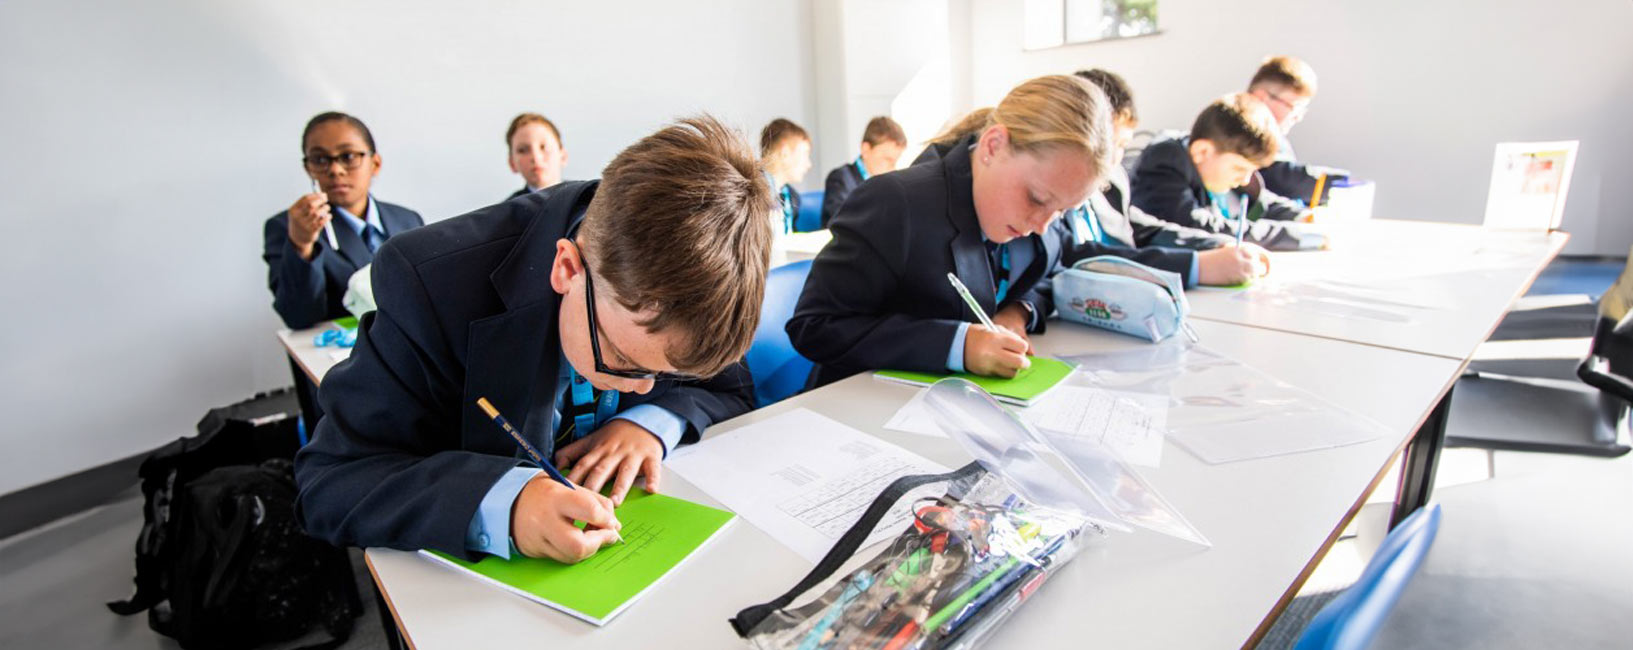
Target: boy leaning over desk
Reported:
[(605, 319)]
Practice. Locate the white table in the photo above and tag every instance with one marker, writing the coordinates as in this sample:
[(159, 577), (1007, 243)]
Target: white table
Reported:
[(313, 360), (1468, 275), (1270, 520)]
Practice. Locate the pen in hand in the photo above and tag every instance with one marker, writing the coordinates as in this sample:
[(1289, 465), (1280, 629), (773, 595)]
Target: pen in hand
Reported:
[(328, 226)]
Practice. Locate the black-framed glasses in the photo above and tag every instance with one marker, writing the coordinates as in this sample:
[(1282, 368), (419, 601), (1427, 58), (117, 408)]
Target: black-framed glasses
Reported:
[(347, 159), (595, 339), (1292, 107)]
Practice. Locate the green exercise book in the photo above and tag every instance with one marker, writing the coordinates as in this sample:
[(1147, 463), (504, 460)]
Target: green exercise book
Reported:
[(660, 533), (1028, 385)]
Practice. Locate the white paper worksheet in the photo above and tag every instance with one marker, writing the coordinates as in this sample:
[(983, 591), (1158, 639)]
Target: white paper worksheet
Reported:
[(804, 479), (1131, 424)]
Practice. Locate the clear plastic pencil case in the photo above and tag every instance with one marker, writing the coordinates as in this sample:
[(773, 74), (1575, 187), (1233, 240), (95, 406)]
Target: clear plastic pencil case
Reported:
[(973, 556), (1122, 295)]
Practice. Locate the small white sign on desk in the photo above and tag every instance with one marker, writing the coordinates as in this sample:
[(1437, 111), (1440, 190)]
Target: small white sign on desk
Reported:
[(804, 479)]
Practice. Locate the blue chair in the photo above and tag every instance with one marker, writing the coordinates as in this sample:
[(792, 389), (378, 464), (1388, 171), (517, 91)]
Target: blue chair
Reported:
[(1352, 619), (810, 212), (779, 371)]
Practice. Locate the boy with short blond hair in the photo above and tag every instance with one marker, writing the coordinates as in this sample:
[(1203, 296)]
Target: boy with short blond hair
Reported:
[(1287, 85)]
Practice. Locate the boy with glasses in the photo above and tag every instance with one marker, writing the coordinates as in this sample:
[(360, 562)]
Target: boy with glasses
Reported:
[(1286, 85), (605, 319)]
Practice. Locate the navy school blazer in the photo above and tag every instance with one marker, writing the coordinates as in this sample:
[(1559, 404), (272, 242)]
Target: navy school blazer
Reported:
[(877, 295), (307, 293), (1168, 186), (403, 456), (841, 182)]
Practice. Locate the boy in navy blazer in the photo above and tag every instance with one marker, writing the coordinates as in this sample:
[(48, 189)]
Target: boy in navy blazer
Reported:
[(605, 319), (1201, 180), (1287, 85), (882, 143)]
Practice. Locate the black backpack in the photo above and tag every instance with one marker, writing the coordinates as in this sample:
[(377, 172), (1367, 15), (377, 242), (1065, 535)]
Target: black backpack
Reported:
[(221, 561)]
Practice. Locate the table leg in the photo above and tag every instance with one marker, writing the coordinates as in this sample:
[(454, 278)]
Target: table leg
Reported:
[(1421, 458)]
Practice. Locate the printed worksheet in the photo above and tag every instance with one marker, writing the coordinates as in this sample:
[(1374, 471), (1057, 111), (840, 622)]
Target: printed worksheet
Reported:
[(805, 479), (1131, 424)]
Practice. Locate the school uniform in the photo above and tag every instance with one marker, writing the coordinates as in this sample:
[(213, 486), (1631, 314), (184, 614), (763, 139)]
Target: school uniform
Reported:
[(1288, 177), (526, 190), (308, 292), (787, 207), (1133, 227), (404, 458), (877, 295), (1082, 237), (1168, 186), (843, 180)]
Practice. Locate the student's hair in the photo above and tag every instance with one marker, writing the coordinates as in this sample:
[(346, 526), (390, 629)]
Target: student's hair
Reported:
[(677, 228), (1116, 90), (532, 118), (1238, 123), (975, 121), (337, 116), (1286, 72), (1059, 112), (882, 129), (780, 129)]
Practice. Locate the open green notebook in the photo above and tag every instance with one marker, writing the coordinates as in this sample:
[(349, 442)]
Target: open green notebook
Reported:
[(1026, 387), (660, 533)]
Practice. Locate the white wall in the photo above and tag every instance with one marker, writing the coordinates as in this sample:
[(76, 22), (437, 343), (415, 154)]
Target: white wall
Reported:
[(146, 143), (1413, 94), (869, 63)]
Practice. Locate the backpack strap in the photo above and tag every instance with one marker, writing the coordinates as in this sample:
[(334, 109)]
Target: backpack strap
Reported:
[(749, 618)]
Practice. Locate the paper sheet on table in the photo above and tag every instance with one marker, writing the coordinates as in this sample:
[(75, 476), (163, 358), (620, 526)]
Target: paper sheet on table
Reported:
[(1222, 410), (805, 479), (1131, 424)]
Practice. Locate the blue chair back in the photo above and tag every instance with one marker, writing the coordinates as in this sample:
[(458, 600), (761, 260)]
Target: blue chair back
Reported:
[(779, 371), (1352, 619), (810, 212)]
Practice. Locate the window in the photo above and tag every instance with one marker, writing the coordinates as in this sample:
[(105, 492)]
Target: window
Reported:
[(1052, 23)]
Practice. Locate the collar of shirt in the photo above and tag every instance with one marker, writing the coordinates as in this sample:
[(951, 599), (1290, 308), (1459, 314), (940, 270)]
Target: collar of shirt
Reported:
[(356, 224)]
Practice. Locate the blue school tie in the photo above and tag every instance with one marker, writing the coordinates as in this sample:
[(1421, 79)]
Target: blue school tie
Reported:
[(372, 237), (861, 169), (998, 257), (591, 407), (787, 211), (1088, 225)]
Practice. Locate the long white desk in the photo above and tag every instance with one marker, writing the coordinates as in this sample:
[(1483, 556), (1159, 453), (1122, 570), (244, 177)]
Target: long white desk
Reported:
[(1270, 520), (1468, 276), (313, 360)]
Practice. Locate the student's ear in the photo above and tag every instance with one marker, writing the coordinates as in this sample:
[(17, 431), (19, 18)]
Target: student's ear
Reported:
[(1202, 151), (564, 156), (994, 141), (566, 267), (510, 159), (867, 147), (376, 158)]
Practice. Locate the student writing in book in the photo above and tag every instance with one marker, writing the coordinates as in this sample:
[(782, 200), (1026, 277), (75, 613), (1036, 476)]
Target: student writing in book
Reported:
[(1201, 180), (882, 144), (1108, 225), (878, 295), (306, 273), (605, 319), (785, 153), (535, 152), (1287, 85)]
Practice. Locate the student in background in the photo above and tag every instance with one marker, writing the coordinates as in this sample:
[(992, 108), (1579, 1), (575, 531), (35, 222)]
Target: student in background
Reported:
[(1200, 180), (306, 274), (878, 294), (1108, 225), (882, 143), (581, 314), (785, 153), (536, 152), (1287, 85)]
